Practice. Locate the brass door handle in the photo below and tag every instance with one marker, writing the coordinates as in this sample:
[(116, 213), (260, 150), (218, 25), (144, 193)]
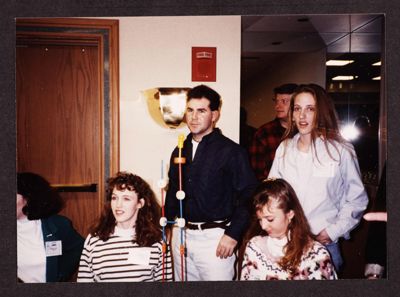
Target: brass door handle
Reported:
[(75, 187)]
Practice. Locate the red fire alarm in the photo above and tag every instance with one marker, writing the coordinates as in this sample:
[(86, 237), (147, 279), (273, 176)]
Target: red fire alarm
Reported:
[(204, 63)]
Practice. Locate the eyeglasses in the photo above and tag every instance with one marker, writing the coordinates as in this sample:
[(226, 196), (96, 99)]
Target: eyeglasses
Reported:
[(283, 101)]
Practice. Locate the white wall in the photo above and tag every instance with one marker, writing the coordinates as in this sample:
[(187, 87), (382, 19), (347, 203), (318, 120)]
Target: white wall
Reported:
[(297, 68), (156, 52)]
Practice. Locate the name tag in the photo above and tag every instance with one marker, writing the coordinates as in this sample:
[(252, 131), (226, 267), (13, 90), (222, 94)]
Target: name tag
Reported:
[(324, 170), (140, 256), (53, 248)]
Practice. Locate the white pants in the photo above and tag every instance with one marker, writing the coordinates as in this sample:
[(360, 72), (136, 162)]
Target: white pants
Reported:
[(201, 263)]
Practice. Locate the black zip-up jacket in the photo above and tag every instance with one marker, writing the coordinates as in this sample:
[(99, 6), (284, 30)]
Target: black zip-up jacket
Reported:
[(218, 183)]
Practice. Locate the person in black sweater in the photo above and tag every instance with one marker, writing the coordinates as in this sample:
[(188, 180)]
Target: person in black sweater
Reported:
[(218, 183)]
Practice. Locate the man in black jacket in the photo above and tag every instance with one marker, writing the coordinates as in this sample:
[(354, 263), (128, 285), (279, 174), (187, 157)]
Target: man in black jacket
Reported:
[(218, 183)]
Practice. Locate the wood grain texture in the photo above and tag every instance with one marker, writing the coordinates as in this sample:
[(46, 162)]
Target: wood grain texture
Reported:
[(59, 117), (60, 108)]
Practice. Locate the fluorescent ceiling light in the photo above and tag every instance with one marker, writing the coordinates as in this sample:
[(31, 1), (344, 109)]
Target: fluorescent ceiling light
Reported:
[(377, 63), (376, 78), (338, 62), (344, 77)]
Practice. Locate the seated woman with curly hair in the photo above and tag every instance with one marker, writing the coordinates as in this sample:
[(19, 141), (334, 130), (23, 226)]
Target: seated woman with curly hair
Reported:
[(279, 243), (48, 247), (126, 243)]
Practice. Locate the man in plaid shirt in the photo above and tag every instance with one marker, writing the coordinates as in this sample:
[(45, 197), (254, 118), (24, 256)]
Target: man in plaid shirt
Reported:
[(268, 136)]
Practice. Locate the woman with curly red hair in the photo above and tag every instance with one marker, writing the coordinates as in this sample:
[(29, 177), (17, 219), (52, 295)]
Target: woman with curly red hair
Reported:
[(126, 243)]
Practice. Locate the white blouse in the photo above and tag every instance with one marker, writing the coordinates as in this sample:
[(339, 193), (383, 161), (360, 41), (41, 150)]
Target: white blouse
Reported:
[(31, 255), (330, 191)]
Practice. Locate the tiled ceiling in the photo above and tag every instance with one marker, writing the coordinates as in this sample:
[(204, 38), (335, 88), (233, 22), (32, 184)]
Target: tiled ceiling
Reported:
[(266, 38)]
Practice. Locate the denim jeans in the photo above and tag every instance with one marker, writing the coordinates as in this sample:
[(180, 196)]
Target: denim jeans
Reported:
[(334, 251)]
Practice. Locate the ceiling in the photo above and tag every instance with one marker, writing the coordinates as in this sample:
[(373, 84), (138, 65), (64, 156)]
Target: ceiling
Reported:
[(266, 39)]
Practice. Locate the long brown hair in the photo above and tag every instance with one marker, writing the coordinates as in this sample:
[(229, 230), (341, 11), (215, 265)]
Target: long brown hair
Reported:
[(148, 230), (299, 241), (326, 121)]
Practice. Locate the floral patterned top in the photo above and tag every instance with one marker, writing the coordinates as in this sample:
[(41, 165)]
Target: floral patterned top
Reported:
[(262, 255)]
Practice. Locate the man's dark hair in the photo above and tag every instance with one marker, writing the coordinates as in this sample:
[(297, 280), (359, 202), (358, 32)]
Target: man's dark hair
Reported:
[(42, 200), (285, 89), (203, 91)]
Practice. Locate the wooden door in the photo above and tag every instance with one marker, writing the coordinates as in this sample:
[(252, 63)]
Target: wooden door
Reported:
[(61, 124)]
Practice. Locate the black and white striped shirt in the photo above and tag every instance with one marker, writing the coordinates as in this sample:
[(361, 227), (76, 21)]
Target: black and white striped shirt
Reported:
[(120, 260)]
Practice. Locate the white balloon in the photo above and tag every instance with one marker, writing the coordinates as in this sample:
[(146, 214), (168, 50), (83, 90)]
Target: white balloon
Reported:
[(181, 222), (163, 221), (180, 195)]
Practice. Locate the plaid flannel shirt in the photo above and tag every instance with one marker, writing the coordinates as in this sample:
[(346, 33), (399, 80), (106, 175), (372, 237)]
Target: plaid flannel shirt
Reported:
[(262, 150)]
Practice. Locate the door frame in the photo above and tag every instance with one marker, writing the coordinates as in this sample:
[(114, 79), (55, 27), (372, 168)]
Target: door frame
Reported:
[(106, 34)]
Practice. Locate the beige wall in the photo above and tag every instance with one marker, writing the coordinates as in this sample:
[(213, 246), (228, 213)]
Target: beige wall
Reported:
[(293, 68), (156, 52)]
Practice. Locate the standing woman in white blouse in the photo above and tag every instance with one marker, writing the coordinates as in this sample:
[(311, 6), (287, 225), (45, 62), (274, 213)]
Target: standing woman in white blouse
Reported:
[(322, 168)]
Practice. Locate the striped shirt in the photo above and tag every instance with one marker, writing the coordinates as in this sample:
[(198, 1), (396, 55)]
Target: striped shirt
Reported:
[(120, 260)]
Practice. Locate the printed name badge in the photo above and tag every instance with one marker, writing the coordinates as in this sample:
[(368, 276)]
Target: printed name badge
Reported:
[(139, 256), (53, 248)]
